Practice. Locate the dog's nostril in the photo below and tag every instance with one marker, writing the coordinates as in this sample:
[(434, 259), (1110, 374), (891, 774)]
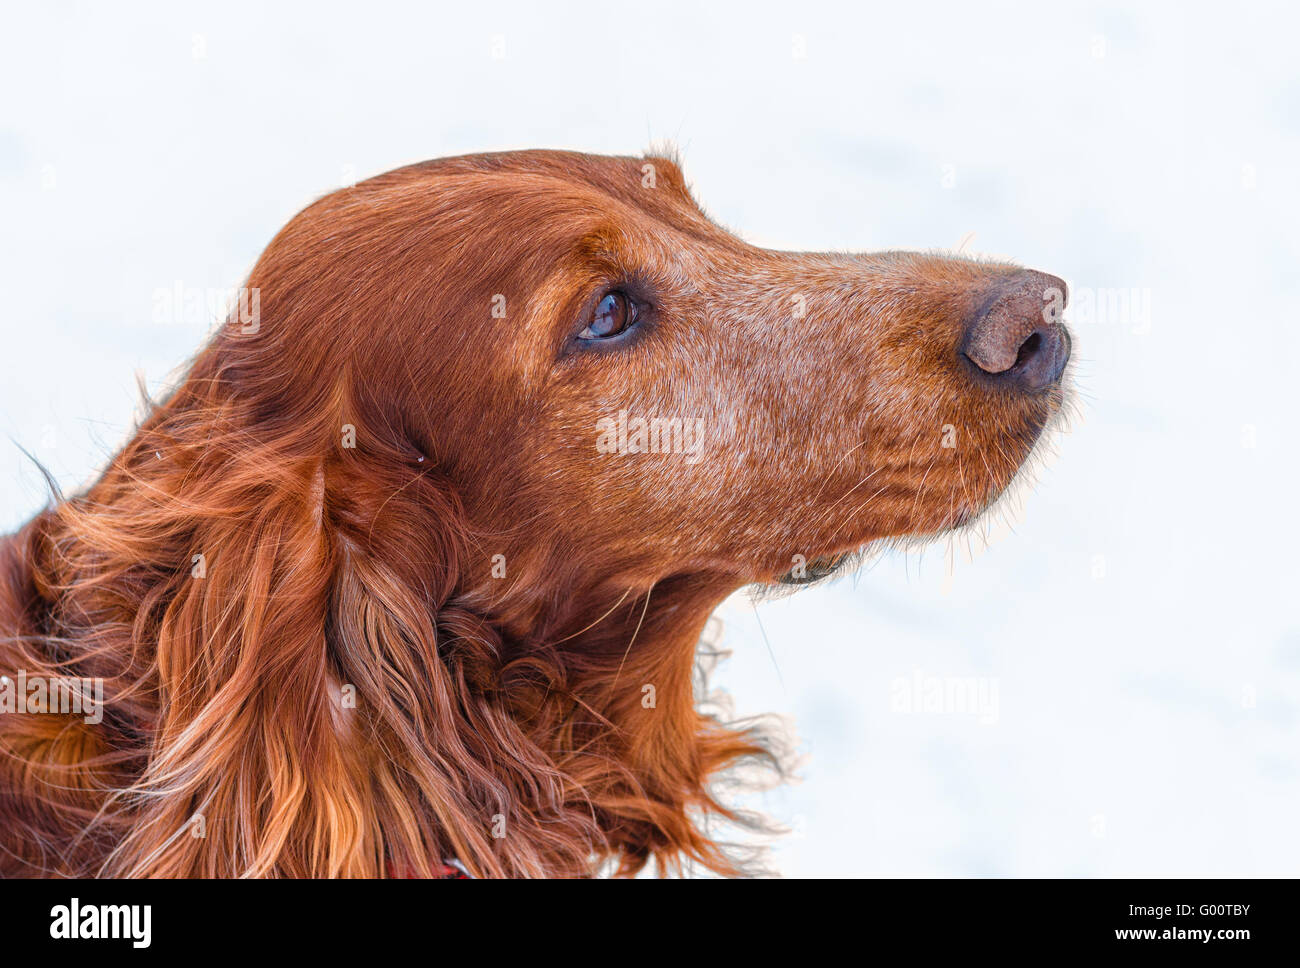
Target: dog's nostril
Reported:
[(1016, 333), (1028, 348)]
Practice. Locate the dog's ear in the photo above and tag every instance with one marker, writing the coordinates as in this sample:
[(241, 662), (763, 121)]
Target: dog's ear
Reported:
[(307, 724), (249, 773), (329, 704)]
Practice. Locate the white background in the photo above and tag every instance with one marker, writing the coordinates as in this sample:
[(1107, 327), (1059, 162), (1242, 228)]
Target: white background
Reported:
[(1139, 625)]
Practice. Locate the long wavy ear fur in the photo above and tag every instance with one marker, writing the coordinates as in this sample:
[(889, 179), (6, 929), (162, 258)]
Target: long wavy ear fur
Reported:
[(296, 685)]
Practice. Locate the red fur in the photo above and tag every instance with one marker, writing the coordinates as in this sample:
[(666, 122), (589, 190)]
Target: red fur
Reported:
[(501, 721)]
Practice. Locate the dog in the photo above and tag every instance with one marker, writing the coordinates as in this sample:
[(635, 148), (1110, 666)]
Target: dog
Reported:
[(408, 573)]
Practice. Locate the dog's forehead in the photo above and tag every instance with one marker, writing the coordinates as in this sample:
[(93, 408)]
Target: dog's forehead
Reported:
[(653, 182), (618, 173)]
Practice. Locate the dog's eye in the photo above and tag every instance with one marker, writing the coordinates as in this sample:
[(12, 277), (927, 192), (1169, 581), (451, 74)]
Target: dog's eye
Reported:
[(612, 316)]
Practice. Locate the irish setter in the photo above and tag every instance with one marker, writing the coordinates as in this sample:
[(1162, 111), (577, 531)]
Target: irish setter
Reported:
[(414, 563)]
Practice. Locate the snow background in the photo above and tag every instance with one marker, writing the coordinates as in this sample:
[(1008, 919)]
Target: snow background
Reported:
[(1139, 626)]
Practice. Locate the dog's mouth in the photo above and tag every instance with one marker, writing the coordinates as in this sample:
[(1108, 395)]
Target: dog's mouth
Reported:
[(960, 500), (955, 509)]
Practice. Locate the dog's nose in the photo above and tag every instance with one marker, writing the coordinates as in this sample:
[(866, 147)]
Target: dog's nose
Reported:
[(1016, 334)]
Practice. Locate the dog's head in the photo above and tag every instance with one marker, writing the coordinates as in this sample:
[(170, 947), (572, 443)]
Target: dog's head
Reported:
[(611, 378), (423, 545)]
